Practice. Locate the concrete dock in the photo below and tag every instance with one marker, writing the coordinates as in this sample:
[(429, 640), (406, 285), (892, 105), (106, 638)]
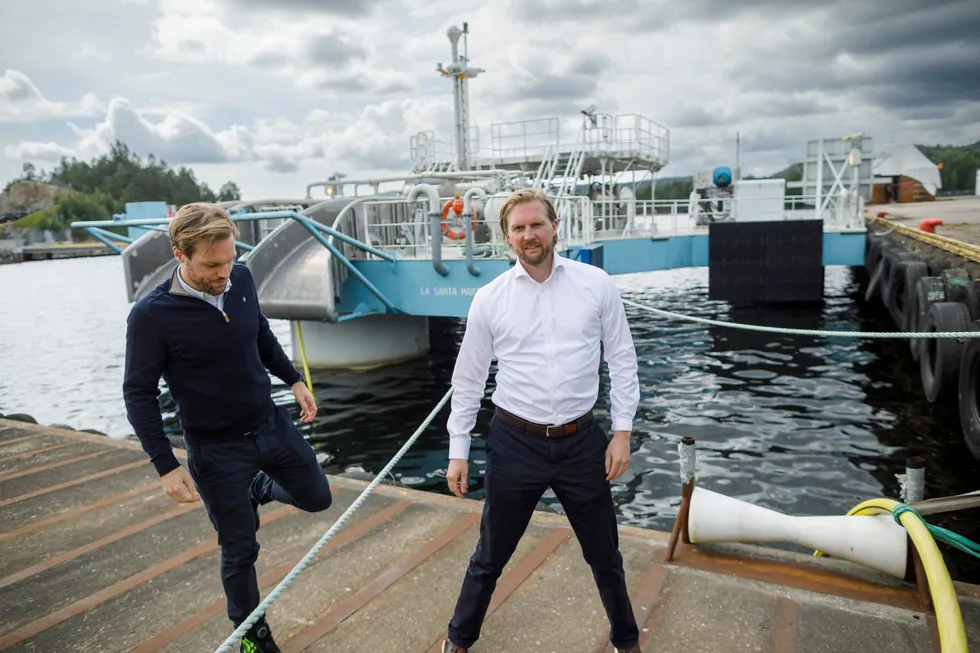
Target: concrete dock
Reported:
[(47, 252), (960, 216), (94, 557)]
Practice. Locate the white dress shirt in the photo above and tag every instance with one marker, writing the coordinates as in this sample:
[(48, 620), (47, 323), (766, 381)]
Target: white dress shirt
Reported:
[(546, 339)]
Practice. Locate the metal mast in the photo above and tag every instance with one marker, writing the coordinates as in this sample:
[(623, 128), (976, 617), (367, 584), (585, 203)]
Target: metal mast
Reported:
[(460, 71)]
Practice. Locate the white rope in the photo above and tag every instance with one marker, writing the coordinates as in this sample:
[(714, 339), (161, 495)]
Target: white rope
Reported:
[(236, 636), (808, 332)]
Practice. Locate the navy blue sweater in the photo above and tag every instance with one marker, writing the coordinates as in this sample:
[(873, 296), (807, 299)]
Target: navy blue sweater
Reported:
[(216, 370)]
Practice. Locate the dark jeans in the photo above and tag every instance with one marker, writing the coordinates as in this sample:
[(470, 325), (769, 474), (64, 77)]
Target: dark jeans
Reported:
[(520, 467), (224, 473)]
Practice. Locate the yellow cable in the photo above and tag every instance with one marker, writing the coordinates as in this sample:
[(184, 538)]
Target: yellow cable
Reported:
[(302, 352), (949, 620)]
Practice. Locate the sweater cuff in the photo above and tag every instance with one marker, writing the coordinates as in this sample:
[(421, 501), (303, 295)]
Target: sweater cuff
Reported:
[(165, 462)]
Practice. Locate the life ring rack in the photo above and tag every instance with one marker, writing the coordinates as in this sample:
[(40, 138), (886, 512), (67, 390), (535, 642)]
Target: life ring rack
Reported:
[(456, 205)]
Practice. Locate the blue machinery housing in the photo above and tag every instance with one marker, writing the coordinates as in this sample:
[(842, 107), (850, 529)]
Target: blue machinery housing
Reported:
[(423, 287)]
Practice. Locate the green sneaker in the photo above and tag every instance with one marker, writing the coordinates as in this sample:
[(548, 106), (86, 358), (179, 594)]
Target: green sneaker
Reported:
[(259, 639)]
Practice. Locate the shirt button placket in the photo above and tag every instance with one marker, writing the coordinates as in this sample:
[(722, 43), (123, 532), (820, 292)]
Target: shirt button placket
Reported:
[(547, 301)]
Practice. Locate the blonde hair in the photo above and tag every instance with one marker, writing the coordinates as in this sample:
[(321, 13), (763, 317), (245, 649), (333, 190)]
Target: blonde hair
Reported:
[(523, 196), (200, 222)]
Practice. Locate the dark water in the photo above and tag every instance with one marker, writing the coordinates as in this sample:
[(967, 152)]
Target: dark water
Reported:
[(799, 424)]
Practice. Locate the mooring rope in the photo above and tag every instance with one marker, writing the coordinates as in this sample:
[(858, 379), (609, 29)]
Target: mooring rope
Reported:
[(807, 332), (259, 611)]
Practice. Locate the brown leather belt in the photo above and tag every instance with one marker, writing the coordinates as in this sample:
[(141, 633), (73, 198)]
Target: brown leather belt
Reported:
[(548, 431)]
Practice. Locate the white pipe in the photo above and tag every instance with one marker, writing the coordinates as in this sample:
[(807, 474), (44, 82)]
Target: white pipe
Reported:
[(468, 213), (435, 212), (408, 177)]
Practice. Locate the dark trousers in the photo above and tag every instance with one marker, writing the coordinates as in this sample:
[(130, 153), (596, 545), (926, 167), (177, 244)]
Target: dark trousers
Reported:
[(273, 463), (520, 467)]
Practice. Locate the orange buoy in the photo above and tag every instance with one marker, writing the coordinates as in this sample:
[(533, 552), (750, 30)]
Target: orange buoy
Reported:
[(456, 205), (929, 225)]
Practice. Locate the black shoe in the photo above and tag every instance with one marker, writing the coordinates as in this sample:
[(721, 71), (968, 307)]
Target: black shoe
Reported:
[(258, 639)]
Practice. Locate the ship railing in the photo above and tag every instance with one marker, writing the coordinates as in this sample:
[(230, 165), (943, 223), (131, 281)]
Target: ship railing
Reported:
[(524, 139), (393, 228), (641, 138)]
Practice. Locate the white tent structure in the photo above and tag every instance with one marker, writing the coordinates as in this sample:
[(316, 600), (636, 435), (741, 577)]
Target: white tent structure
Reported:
[(905, 159)]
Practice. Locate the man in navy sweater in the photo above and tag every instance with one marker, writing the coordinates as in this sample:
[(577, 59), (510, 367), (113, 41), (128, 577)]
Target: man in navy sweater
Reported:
[(203, 332)]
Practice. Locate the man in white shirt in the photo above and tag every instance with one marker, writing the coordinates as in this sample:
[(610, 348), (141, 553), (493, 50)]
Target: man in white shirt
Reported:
[(544, 321)]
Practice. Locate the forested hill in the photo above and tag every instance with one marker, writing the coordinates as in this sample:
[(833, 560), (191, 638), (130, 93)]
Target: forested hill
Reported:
[(96, 189), (959, 164)]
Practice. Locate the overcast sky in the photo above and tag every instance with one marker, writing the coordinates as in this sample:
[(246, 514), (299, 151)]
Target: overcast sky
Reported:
[(275, 94)]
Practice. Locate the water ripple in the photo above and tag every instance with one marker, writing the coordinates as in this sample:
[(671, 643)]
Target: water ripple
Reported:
[(794, 423)]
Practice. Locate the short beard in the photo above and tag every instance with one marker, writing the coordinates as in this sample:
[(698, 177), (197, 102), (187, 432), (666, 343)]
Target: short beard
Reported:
[(542, 256), (205, 287)]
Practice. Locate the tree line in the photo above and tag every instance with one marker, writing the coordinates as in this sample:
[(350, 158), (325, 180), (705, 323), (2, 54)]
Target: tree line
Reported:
[(97, 189), (958, 165)]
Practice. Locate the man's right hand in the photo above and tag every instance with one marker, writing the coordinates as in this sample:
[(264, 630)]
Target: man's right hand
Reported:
[(456, 476), (179, 486)]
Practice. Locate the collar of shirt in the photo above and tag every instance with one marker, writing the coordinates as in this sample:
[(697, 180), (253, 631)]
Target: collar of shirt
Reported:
[(201, 294), (556, 262)]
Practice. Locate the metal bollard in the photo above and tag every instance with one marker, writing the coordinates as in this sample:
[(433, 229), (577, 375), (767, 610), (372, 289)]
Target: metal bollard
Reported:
[(914, 487), (688, 462)]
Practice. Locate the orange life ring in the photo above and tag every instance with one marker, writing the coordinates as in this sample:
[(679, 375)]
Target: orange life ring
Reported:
[(457, 206)]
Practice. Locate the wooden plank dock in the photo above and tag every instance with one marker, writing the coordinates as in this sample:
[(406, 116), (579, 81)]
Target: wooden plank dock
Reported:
[(94, 557)]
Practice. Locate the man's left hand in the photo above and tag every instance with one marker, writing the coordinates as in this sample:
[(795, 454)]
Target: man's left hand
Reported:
[(307, 403), (618, 455)]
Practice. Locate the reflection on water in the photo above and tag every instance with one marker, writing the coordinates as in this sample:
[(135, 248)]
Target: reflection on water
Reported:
[(798, 424)]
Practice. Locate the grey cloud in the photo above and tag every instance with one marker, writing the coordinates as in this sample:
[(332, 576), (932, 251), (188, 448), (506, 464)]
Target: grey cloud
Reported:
[(901, 78), (896, 54), (693, 115), (549, 86), (380, 158), (332, 50), (579, 82), (270, 60), (17, 87), (791, 106), (591, 65), (646, 15), (361, 84), (897, 58), (186, 142), (279, 163), (769, 139), (344, 8), (907, 24), (568, 10)]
